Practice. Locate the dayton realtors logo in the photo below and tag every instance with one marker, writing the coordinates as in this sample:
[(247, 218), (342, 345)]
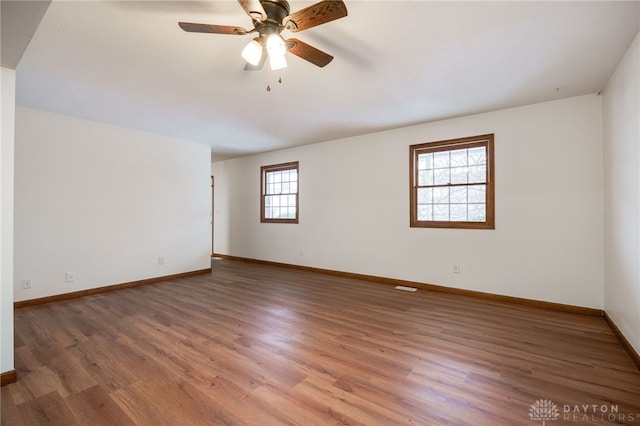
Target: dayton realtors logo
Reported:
[(545, 410)]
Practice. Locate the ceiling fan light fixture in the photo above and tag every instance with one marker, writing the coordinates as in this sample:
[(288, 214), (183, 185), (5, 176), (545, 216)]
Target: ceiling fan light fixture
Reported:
[(276, 49), (270, 18), (277, 62), (252, 52)]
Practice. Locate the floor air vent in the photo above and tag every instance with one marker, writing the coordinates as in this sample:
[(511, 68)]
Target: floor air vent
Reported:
[(403, 288)]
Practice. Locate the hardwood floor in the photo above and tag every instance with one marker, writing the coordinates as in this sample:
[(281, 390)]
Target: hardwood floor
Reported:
[(262, 345)]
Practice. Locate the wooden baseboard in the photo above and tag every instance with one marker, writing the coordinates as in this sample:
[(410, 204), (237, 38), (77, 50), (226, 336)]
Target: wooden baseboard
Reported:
[(81, 293), (433, 287), (635, 356), (8, 377)]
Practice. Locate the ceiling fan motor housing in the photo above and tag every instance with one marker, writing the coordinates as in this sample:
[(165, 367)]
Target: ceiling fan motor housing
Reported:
[(276, 11)]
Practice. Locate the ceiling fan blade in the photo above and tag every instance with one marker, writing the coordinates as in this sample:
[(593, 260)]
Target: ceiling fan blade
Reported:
[(308, 53), (213, 29), (316, 14), (254, 9)]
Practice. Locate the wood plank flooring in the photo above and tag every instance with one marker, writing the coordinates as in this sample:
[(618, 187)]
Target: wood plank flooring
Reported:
[(261, 345)]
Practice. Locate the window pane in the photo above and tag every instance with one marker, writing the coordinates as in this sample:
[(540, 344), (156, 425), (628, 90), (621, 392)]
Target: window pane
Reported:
[(294, 187), (477, 174), (425, 177), (440, 195), (425, 212), (293, 175), (440, 159), (291, 202), (477, 156), (425, 195), (459, 158), (477, 193), (458, 212), (425, 161), (477, 213), (458, 195), (441, 212), (441, 177), (459, 174)]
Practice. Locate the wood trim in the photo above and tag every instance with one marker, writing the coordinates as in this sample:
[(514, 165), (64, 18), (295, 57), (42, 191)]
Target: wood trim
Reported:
[(293, 165), (87, 292), (433, 287), (486, 141), (8, 377), (635, 356)]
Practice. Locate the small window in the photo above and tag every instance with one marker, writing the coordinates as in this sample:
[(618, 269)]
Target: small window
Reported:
[(452, 183), (279, 193)]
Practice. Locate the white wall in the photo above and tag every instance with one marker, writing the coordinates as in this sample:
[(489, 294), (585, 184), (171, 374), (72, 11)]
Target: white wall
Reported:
[(105, 202), (621, 133), (8, 90), (354, 207)]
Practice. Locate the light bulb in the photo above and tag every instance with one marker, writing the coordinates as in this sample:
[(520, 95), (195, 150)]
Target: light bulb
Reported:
[(252, 52), (276, 49)]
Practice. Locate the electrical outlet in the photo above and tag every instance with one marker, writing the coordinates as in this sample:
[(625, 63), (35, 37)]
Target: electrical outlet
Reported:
[(26, 284), (70, 277), (161, 261), (456, 268)]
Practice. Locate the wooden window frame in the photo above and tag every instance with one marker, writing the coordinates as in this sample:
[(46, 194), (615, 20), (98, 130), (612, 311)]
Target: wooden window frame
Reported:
[(294, 165), (450, 145)]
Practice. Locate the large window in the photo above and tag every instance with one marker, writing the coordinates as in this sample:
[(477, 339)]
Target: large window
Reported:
[(279, 193), (452, 183)]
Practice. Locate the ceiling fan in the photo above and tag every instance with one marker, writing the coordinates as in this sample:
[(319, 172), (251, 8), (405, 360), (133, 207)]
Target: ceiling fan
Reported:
[(270, 18)]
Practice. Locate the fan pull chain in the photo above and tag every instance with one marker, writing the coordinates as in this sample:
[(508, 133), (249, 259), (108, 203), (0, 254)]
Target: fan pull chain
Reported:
[(269, 87)]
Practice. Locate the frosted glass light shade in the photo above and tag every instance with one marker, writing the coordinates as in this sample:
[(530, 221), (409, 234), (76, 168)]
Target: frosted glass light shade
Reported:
[(277, 62), (252, 52), (276, 49)]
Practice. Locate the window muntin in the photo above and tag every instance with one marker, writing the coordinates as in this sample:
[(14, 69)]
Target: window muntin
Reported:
[(452, 183), (279, 193)]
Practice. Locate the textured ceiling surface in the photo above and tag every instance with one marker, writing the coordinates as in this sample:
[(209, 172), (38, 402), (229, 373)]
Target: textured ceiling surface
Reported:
[(396, 63)]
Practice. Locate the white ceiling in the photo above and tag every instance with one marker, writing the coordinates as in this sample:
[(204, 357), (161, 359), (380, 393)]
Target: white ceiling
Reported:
[(396, 63)]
